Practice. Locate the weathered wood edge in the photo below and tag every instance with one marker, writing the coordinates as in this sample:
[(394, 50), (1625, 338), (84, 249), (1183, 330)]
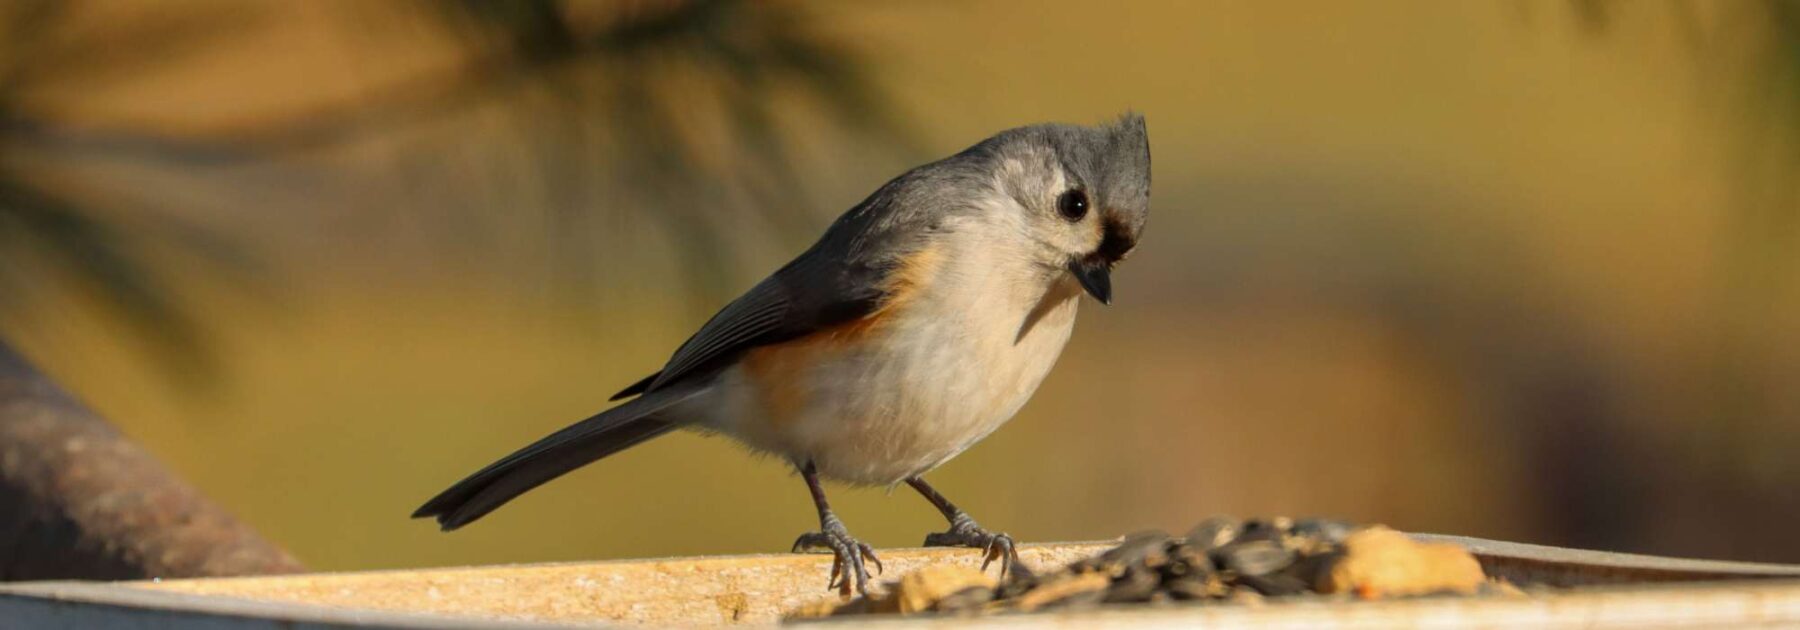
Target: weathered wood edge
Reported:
[(1526, 563), (114, 605), (178, 603)]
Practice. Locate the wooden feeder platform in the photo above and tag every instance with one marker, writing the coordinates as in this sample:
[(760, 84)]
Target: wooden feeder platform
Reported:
[(1600, 590)]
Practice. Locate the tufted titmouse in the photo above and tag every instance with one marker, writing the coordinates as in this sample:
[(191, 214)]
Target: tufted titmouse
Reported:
[(919, 323)]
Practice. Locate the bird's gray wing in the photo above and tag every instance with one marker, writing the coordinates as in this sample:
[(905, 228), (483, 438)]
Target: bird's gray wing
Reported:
[(838, 280)]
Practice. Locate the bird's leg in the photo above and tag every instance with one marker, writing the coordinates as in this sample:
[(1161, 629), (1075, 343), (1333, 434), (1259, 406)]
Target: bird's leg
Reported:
[(965, 532), (848, 553)]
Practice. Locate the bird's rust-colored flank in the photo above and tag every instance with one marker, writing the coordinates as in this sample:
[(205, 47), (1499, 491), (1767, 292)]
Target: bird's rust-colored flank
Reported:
[(775, 370)]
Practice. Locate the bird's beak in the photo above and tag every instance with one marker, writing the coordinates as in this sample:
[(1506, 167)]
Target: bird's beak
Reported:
[(1095, 275)]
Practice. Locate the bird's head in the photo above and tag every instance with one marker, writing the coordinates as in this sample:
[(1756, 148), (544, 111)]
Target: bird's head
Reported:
[(1084, 193)]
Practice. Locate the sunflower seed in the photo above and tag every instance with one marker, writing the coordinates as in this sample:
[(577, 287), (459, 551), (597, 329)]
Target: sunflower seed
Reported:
[(968, 599), (1276, 584), (1140, 549), (1273, 530), (1135, 586), (1326, 530), (1214, 533), (1255, 557)]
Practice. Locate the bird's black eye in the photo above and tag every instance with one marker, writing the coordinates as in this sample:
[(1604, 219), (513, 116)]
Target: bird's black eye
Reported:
[(1073, 205)]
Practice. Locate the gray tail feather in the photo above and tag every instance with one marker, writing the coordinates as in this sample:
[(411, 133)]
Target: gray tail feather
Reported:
[(603, 434)]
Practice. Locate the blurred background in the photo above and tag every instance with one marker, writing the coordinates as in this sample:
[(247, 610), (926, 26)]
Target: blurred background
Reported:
[(1513, 269)]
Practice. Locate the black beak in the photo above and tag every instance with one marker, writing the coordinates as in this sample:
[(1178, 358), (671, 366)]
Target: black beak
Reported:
[(1095, 270), (1095, 275)]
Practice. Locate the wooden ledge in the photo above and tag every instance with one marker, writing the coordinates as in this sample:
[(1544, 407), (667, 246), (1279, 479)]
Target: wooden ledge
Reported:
[(759, 589)]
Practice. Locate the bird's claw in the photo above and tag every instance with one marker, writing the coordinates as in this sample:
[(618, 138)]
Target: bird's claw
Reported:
[(848, 556), (964, 532)]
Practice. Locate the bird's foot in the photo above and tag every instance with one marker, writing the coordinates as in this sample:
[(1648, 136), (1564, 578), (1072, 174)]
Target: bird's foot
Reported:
[(849, 554), (965, 532)]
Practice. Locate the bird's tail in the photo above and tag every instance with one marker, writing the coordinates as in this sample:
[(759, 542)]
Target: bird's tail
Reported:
[(603, 434)]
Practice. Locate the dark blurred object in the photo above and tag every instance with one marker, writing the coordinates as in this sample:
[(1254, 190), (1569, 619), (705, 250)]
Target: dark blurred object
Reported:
[(79, 501)]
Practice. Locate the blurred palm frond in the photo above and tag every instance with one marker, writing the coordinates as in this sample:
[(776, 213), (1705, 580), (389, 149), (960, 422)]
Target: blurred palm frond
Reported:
[(682, 103), (688, 111), (45, 233), (102, 259)]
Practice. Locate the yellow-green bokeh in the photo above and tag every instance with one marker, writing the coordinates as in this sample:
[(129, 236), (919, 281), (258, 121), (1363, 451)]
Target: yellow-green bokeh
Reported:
[(1320, 169)]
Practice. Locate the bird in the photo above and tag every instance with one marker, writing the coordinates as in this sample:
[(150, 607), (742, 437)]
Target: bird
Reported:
[(920, 322)]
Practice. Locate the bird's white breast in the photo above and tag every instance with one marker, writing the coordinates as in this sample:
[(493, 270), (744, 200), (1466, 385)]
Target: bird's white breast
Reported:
[(896, 396)]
